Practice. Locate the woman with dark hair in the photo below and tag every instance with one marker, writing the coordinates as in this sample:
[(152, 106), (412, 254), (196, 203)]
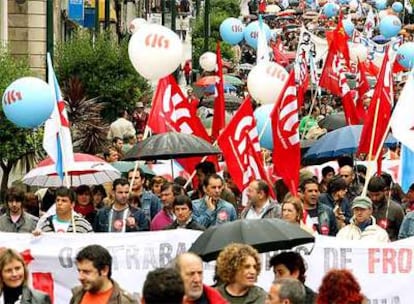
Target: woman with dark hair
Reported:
[(238, 266), (84, 203), (339, 286), (98, 195), (14, 281)]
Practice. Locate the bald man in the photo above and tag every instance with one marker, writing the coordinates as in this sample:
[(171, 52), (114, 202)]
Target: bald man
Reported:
[(354, 188)]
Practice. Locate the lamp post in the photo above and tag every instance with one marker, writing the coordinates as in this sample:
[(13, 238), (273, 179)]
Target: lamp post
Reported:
[(97, 21), (206, 24), (173, 8), (107, 15), (49, 28)]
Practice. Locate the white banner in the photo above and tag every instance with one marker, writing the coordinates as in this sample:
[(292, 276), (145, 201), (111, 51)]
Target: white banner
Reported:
[(383, 270)]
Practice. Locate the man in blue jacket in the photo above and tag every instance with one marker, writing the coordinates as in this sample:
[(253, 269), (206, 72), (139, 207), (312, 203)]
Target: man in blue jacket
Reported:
[(211, 210)]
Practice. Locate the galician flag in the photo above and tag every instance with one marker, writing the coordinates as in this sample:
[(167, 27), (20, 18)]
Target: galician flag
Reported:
[(57, 140)]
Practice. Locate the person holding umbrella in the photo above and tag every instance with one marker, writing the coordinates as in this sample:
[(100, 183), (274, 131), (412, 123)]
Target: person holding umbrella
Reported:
[(238, 266)]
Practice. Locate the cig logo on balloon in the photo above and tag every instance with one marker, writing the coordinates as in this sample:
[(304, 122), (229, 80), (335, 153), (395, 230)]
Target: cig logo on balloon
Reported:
[(155, 40), (11, 97)]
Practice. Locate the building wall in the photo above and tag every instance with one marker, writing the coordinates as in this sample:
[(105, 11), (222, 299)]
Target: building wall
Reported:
[(27, 32)]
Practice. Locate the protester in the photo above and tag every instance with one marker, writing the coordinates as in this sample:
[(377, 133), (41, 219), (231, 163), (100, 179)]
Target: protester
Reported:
[(339, 286), (121, 127), (354, 187), (319, 216), (98, 196), (327, 174), (238, 266), (335, 198), (388, 214), (407, 226), (155, 184), (211, 209), (14, 281), (163, 286), (190, 267), (183, 210), (363, 225), (150, 203), (203, 170), (290, 264), (94, 264), (65, 219), (111, 154), (15, 219), (140, 117), (166, 215), (84, 203), (292, 212), (31, 204), (286, 291), (120, 217), (260, 204)]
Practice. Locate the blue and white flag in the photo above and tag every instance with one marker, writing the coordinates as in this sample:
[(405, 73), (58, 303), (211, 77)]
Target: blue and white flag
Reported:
[(57, 140)]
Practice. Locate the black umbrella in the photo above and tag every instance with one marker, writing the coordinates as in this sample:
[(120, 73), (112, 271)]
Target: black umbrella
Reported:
[(333, 121), (170, 145), (263, 234), (232, 102)]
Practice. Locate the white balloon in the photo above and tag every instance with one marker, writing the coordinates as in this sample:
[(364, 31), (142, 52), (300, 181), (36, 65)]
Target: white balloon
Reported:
[(265, 82), (155, 51), (208, 61), (357, 52), (136, 24)]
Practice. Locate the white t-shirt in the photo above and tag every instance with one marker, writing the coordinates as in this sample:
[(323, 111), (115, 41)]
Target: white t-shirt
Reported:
[(60, 226)]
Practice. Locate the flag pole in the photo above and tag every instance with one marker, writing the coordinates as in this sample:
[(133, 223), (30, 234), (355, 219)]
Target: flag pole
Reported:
[(371, 146)]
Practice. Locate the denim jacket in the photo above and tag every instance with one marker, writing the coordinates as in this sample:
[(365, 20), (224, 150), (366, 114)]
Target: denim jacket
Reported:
[(407, 226), (223, 213), (150, 204)]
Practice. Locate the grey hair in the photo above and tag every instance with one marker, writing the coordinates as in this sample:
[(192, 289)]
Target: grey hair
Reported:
[(291, 289)]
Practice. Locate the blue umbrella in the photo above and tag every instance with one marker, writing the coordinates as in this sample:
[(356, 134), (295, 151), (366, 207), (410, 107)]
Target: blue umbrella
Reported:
[(227, 88), (339, 142)]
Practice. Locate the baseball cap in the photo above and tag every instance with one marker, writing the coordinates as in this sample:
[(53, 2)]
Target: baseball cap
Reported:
[(139, 104), (362, 202)]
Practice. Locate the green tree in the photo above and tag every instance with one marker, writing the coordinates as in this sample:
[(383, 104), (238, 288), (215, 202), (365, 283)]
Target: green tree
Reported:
[(103, 67), (220, 10), (17, 144)]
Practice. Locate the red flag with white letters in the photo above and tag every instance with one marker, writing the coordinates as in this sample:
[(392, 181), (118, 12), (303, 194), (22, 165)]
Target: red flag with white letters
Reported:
[(171, 111), (233, 143), (286, 141)]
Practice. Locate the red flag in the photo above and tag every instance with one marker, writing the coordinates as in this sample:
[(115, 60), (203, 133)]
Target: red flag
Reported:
[(379, 111), (348, 104), (302, 78), (286, 142), (219, 102), (171, 111), (233, 142), (329, 79), (278, 55), (363, 87), (371, 68), (340, 39)]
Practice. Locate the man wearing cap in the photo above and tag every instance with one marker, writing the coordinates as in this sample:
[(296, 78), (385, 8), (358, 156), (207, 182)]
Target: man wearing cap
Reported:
[(140, 117), (362, 225)]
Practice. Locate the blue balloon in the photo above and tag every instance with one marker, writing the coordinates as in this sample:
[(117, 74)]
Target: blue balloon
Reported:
[(330, 9), (262, 115), (397, 7), (405, 55), (381, 4), (390, 26), (231, 30), (28, 102), (343, 2), (251, 32), (349, 27)]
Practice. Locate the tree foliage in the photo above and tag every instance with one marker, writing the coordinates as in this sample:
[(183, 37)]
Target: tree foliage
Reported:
[(16, 143), (220, 10), (103, 67)]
